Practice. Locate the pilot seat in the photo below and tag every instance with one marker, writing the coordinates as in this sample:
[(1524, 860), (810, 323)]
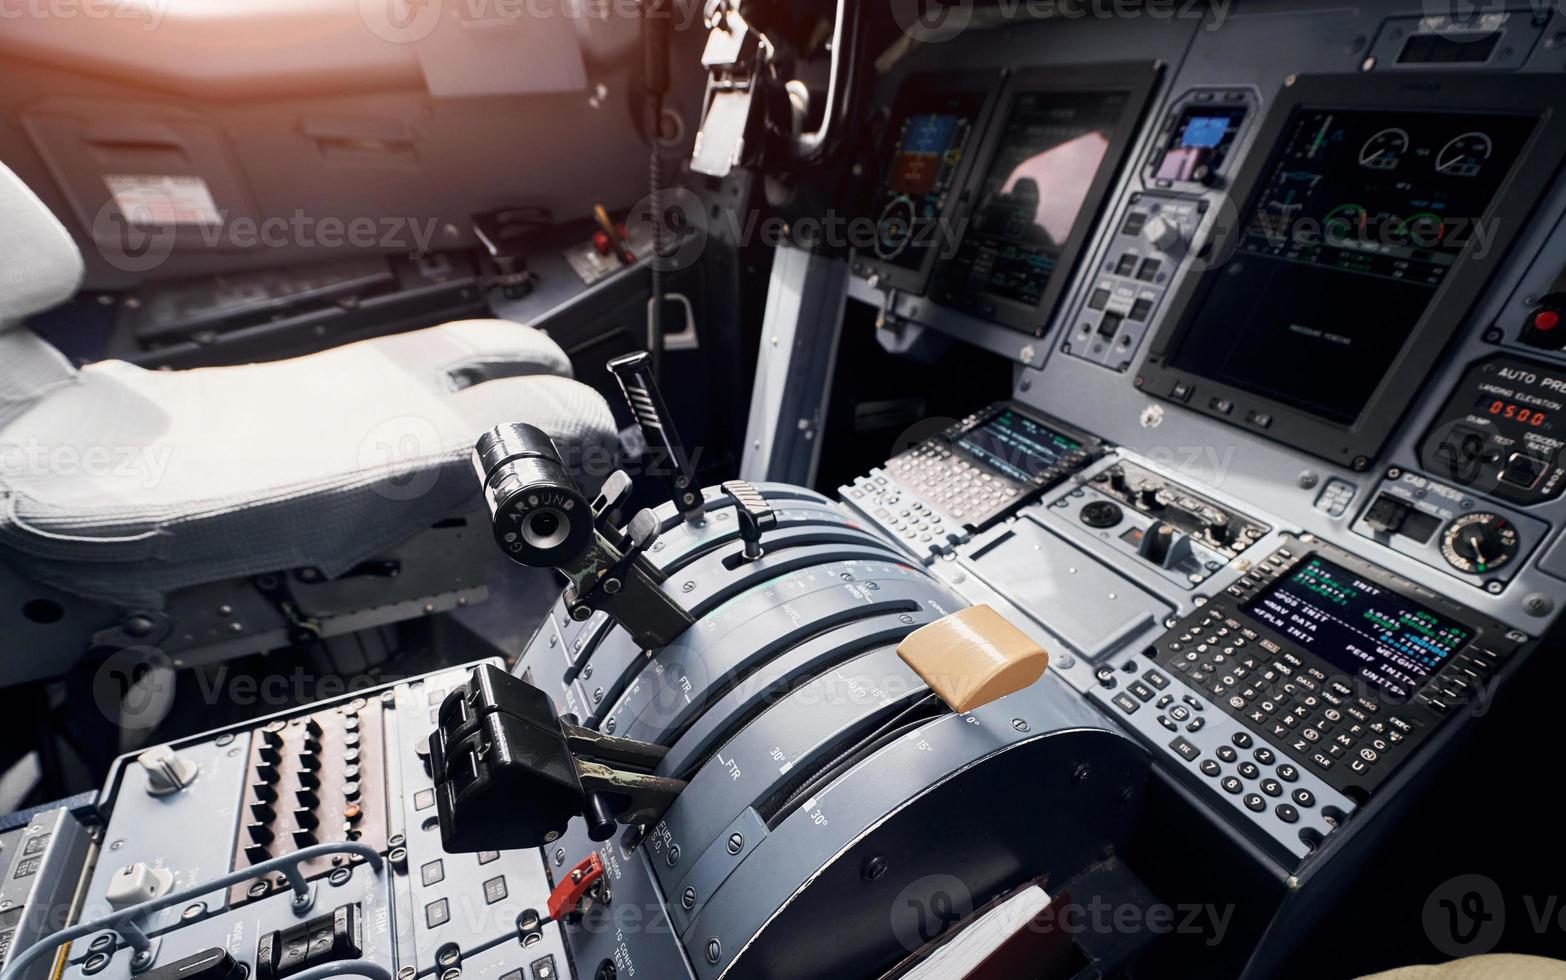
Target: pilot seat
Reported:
[(200, 514)]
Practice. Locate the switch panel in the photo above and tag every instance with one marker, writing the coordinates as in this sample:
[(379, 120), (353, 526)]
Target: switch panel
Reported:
[(312, 779), (1151, 238), (1448, 528)]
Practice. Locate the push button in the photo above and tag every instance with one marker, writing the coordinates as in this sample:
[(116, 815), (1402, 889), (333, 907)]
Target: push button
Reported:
[(1184, 748)]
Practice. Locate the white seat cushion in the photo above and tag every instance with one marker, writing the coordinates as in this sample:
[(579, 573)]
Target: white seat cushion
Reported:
[(124, 484)]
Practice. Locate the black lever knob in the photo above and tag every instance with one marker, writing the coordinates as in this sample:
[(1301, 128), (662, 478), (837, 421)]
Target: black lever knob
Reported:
[(634, 372), (1157, 541), (753, 513)]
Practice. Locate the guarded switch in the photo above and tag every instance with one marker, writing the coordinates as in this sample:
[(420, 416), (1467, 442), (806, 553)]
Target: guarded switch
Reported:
[(973, 656)]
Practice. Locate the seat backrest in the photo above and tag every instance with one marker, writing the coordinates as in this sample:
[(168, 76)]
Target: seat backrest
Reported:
[(40, 267)]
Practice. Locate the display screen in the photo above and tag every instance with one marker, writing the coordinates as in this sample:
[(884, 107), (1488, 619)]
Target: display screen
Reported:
[(1199, 142), (1358, 219), (931, 134), (1032, 196), (1016, 446), (1366, 630), (1511, 411)]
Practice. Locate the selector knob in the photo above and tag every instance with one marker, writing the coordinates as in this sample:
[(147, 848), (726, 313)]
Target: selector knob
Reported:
[(1479, 543), (256, 853), (305, 838), (313, 727), (1161, 234), (263, 812), (306, 819), (266, 774), (166, 772), (308, 798), (273, 734), (309, 762), (310, 780), (270, 755), (265, 792)]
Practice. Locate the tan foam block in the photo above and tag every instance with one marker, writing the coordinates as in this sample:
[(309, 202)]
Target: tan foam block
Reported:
[(973, 657)]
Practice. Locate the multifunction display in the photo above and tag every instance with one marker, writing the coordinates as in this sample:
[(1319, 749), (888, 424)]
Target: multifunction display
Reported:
[(1198, 142), (1357, 220), (931, 132), (1033, 194), (1016, 446), (1359, 626)]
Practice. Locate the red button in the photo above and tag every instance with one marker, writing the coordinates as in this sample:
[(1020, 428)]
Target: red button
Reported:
[(1546, 320)]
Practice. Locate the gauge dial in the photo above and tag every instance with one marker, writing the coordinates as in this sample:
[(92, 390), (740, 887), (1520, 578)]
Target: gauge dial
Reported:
[(1463, 155), (894, 229), (1384, 151), (1479, 543)]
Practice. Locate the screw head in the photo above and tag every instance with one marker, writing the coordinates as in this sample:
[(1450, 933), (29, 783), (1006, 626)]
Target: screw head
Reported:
[(1020, 725), (192, 910), (714, 950), (673, 856), (688, 898), (736, 843), (874, 868)]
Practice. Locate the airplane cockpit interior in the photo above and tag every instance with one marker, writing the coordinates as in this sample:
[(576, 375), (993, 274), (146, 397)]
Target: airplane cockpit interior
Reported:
[(782, 489)]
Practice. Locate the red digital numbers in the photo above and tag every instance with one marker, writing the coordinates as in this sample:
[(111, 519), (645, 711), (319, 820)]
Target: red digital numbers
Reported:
[(1517, 413)]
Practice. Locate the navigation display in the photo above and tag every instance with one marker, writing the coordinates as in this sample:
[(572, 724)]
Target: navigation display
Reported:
[(1016, 446), (1374, 634), (1033, 196), (932, 132), (1358, 218)]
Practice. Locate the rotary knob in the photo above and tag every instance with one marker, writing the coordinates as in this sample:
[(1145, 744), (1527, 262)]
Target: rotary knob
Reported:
[(1479, 543), (1162, 234)]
